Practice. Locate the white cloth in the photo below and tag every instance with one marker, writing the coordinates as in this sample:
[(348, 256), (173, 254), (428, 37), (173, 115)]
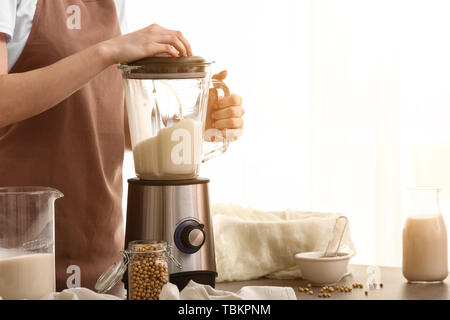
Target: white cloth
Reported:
[(195, 291), (251, 244), (16, 19), (78, 294)]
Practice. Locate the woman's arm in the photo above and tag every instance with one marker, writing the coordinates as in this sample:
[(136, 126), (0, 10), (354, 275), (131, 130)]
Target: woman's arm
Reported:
[(24, 95), (3, 55)]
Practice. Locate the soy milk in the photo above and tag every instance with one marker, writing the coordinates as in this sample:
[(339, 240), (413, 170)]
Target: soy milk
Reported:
[(425, 248), (175, 152), (28, 276)]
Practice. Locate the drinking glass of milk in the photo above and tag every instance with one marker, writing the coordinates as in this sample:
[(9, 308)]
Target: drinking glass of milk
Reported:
[(424, 238)]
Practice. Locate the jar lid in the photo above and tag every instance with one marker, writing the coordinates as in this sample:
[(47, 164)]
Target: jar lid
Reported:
[(147, 246), (164, 66), (110, 277)]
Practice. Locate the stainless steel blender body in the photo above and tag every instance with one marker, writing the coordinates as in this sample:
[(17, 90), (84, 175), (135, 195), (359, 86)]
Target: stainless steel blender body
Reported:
[(179, 213)]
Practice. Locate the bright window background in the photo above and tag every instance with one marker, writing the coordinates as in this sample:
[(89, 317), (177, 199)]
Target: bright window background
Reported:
[(348, 104)]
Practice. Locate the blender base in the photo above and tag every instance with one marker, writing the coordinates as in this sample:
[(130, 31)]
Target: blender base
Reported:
[(181, 279), (177, 212)]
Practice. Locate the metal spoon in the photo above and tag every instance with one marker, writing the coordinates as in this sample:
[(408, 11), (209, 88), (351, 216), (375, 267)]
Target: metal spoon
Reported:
[(336, 237)]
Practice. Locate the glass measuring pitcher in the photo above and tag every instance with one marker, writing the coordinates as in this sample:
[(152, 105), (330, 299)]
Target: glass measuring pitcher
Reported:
[(167, 100), (27, 263)]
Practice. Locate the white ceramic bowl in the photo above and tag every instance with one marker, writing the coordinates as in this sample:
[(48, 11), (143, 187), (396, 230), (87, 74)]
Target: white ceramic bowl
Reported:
[(320, 270)]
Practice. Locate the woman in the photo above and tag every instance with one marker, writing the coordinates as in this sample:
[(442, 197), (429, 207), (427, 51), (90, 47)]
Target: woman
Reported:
[(62, 120)]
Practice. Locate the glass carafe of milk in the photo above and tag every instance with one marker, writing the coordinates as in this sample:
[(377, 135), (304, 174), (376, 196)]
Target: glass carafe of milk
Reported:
[(167, 102), (424, 238)]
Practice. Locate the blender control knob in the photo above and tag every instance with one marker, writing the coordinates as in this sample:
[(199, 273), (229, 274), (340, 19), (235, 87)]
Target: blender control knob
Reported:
[(189, 236), (193, 237)]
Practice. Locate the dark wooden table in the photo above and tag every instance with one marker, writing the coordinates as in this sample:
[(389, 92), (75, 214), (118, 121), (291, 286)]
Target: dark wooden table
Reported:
[(395, 287)]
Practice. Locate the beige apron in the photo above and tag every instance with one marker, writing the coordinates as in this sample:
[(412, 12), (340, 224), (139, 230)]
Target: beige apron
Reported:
[(77, 146)]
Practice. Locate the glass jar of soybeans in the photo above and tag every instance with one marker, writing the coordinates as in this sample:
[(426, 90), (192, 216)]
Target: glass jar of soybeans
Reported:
[(148, 270)]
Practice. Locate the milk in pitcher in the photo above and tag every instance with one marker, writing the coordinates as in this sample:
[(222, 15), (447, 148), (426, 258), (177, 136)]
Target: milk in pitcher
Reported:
[(27, 276)]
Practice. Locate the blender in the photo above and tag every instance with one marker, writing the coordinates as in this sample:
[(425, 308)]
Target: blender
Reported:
[(167, 100)]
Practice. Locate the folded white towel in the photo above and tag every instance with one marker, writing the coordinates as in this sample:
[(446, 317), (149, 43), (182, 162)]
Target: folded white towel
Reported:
[(251, 244), (195, 291)]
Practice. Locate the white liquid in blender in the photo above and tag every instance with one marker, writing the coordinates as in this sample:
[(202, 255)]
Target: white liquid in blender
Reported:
[(425, 248), (174, 153), (29, 276)]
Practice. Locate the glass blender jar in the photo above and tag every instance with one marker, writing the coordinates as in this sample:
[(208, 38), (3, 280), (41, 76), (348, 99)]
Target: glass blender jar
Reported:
[(27, 262), (167, 100)]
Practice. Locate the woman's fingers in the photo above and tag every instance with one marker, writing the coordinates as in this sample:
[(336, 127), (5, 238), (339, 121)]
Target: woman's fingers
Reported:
[(231, 100), (186, 44), (231, 123), (178, 34), (175, 42), (229, 112), (156, 48)]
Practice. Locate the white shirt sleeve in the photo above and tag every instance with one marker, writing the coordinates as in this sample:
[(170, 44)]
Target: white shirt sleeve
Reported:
[(8, 10), (121, 13)]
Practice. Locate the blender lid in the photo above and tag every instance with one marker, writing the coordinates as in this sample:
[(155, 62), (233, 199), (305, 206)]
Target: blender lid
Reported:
[(110, 277), (164, 66)]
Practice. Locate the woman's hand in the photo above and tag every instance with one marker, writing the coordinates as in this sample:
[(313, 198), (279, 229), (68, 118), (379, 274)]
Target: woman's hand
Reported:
[(225, 113), (145, 43)]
